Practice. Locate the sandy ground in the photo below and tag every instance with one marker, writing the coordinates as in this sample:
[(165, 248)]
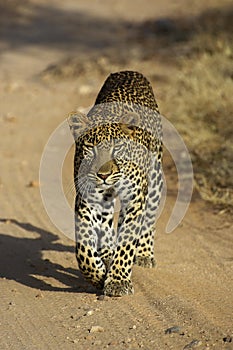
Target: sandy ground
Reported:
[(45, 303)]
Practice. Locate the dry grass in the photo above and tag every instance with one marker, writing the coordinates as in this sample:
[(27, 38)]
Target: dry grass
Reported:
[(203, 107)]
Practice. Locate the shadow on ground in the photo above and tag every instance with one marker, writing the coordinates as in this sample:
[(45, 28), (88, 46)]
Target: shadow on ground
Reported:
[(43, 25), (22, 261)]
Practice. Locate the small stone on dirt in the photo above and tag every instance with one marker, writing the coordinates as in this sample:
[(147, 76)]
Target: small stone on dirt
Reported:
[(174, 329), (39, 295), (192, 344), (96, 329), (133, 327), (89, 313), (113, 343), (12, 303), (33, 183)]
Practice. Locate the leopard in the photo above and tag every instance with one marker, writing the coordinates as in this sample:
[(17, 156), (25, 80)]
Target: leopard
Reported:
[(118, 181)]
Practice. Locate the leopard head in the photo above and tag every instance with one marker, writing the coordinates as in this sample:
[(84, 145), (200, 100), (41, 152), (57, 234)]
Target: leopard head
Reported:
[(102, 149)]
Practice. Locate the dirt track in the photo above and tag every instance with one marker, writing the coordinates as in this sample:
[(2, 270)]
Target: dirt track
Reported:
[(45, 303)]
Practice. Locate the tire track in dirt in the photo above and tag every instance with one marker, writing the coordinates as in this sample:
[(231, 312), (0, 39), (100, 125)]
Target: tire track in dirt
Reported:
[(20, 324), (189, 302)]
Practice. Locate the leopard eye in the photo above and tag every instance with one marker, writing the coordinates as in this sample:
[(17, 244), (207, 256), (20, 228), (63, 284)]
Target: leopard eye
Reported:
[(118, 149), (88, 151)]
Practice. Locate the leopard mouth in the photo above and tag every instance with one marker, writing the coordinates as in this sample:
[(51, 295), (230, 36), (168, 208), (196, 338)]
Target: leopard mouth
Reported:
[(106, 183)]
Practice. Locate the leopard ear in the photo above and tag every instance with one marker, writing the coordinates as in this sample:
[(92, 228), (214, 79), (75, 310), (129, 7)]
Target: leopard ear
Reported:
[(78, 123), (129, 121)]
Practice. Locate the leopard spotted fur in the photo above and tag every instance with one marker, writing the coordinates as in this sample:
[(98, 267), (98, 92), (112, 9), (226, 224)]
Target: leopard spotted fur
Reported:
[(118, 155)]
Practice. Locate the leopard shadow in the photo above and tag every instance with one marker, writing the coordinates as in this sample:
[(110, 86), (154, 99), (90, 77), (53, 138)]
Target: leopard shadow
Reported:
[(22, 261)]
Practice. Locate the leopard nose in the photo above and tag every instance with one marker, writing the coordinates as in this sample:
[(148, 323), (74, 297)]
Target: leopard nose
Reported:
[(105, 171), (103, 176)]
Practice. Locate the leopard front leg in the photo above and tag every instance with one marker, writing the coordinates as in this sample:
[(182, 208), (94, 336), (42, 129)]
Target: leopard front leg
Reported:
[(107, 236), (118, 279), (87, 228), (145, 249)]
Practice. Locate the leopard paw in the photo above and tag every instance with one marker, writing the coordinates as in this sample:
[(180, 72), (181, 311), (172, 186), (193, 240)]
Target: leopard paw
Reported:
[(118, 288)]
